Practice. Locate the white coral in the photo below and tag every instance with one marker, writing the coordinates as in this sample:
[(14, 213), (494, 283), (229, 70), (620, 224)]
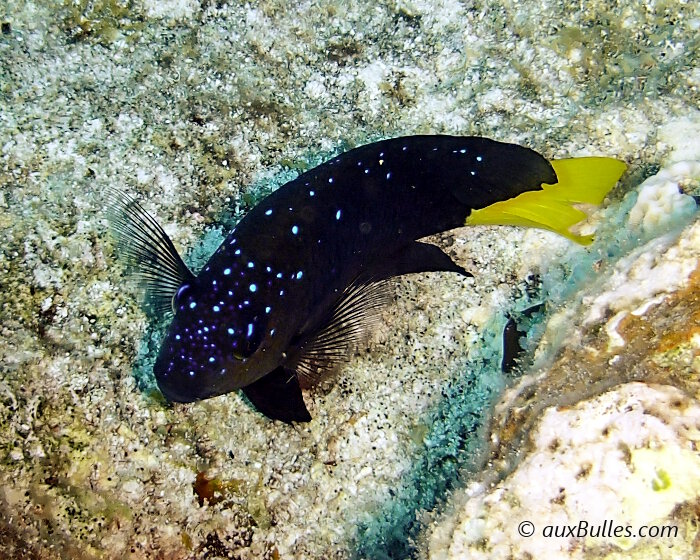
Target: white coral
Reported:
[(660, 200)]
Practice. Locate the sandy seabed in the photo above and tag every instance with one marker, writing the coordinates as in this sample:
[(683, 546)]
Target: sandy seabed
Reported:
[(421, 447)]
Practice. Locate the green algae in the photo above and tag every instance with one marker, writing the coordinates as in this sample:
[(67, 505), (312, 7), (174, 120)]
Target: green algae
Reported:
[(102, 21), (661, 482)]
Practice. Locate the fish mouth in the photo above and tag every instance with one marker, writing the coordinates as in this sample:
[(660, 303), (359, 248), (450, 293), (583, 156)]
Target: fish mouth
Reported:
[(186, 382), (174, 381)]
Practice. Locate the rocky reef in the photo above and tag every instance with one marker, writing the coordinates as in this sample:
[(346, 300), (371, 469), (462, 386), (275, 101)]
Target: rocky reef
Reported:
[(422, 446)]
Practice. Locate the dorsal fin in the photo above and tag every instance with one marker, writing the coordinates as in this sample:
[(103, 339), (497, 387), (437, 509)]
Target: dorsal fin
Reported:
[(342, 330), (150, 255)]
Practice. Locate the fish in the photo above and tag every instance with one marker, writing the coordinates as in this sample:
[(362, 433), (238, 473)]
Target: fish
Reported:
[(512, 333), (301, 279)]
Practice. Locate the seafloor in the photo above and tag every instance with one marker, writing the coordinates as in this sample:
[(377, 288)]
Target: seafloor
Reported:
[(421, 447)]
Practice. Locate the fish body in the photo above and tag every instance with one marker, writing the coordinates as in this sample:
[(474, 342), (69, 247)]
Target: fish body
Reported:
[(299, 279)]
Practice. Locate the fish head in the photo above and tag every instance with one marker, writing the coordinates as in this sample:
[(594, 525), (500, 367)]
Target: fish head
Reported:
[(216, 343)]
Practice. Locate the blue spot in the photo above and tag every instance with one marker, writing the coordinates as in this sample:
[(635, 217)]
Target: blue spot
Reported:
[(330, 179), (206, 329), (251, 264), (199, 331), (473, 172), (223, 371), (281, 292), (268, 309), (191, 374), (229, 330), (337, 215), (268, 269), (404, 148), (311, 193), (479, 158), (463, 151), (250, 330), (212, 359), (388, 175), (268, 212), (237, 252), (299, 275), (246, 302), (366, 171), (213, 282), (216, 308), (230, 293), (227, 271), (279, 275), (272, 332), (177, 337), (252, 287), (193, 305), (295, 230)]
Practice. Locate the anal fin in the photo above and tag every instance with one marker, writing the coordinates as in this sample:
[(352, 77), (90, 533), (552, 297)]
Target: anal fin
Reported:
[(278, 396), (415, 257)]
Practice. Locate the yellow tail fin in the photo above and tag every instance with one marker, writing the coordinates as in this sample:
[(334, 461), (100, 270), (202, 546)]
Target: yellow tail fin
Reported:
[(580, 181)]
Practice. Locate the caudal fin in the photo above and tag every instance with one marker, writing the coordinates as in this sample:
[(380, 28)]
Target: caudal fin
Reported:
[(582, 181)]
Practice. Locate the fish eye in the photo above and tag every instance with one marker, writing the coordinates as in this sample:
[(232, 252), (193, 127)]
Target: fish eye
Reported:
[(247, 341), (244, 348), (179, 295)]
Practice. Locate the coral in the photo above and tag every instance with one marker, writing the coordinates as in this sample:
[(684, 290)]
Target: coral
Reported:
[(201, 108), (626, 458), (661, 201)]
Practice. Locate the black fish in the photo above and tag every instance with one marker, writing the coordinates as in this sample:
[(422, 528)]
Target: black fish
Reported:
[(298, 281), (512, 333)]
